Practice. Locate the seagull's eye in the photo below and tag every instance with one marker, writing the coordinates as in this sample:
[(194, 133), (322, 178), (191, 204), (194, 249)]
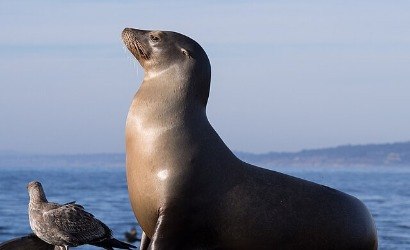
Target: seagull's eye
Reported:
[(154, 38)]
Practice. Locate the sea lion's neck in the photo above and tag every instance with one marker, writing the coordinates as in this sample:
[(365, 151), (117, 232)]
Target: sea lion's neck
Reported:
[(168, 95)]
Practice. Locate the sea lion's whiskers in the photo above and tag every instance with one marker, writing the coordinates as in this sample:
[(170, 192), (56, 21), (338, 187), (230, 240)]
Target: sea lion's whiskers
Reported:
[(130, 58), (136, 66)]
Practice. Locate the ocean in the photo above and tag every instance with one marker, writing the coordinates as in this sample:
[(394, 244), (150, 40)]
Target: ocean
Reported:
[(103, 192)]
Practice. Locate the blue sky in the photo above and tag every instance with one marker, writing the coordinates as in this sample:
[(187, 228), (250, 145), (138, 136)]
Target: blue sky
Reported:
[(286, 75)]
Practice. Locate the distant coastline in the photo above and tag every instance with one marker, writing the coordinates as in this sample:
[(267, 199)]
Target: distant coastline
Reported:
[(389, 154), (371, 155)]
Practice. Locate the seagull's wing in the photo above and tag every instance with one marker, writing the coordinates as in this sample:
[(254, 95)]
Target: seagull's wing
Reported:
[(75, 225), (74, 204)]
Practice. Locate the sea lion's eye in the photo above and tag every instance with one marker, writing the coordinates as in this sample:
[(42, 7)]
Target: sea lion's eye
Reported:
[(186, 53), (154, 38)]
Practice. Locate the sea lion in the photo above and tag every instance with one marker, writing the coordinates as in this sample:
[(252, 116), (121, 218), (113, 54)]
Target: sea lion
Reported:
[(189, 191)]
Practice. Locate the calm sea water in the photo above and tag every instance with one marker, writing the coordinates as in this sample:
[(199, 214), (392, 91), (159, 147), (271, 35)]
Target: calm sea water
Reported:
[(103, 192)]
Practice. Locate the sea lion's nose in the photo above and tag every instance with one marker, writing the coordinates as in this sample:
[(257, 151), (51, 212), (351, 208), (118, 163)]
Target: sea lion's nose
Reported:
[(130, 32), (133, 31), (126, 30)]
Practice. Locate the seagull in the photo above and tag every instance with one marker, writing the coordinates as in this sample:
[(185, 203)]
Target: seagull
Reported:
[(67, 225), (131, 236)]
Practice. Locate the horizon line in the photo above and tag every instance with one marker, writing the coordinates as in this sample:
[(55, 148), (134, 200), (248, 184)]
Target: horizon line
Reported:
[(16, 152)]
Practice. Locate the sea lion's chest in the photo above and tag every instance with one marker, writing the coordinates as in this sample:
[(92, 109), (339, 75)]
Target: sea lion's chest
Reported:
[(142, 164), (150, 161), (160, 152)]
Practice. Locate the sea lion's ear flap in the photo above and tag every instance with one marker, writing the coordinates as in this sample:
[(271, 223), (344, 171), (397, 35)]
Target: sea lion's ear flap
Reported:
[(186, 52)]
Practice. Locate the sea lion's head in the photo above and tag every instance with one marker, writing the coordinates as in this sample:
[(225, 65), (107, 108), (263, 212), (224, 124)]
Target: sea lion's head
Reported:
[(167, 51)]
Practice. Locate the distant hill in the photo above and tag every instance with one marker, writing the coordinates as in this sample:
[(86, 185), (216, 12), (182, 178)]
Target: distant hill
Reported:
[(394, 154)]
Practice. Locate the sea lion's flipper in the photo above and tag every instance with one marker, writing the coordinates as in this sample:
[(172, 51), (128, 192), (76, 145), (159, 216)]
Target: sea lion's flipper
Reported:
[(29, 242), (144, 241), (168, 234)]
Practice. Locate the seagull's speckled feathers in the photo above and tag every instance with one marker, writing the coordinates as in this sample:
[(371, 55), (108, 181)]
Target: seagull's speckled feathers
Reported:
[(68, 224), (75, 225)]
